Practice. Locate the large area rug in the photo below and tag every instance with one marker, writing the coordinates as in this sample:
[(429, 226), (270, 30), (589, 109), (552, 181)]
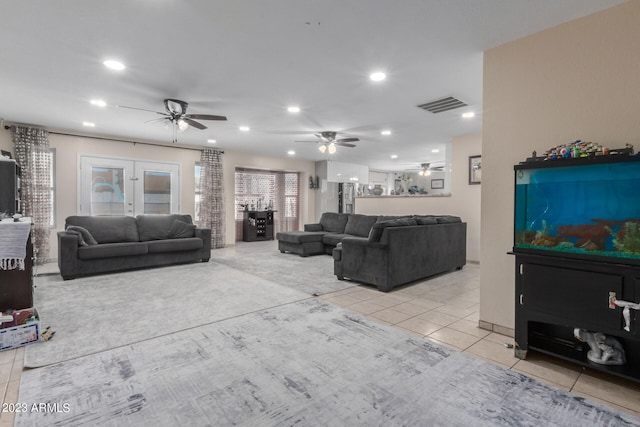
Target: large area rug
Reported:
[(313, 275), (306, 363), (98, 313)]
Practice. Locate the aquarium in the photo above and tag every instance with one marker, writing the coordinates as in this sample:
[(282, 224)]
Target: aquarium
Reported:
[(579, 208)]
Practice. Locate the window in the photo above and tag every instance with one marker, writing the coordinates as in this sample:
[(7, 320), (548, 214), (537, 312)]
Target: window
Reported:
[(259, 189)]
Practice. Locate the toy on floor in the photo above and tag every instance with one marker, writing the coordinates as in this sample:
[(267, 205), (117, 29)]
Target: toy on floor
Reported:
[(48, 333)]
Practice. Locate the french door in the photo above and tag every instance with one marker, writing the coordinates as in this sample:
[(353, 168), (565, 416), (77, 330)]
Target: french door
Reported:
[(110, 186)]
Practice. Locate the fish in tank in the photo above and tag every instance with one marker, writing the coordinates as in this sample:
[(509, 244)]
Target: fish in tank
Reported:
[(587, 209)]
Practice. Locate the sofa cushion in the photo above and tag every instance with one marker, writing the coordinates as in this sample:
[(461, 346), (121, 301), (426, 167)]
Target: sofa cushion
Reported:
[(332, 239), (156, 227), (334, 222), (448, 219), (425, 219), (378, 228), (107, 229), (359, 225), (174, 245), (180, 230), (107, 250)]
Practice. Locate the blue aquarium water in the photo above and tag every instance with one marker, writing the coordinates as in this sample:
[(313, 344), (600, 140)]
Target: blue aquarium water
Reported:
[(590, 209)]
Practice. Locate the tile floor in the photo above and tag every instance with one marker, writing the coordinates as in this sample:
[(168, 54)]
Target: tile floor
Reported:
[(444, 309)]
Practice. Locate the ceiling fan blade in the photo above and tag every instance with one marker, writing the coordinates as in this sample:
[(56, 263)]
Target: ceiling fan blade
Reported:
[(140, 109), (344, 144), (158, 120), (347, 140), (204, 117), (193, 123)]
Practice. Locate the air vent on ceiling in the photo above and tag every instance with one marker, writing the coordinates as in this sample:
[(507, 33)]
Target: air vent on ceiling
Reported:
[(443, 104)]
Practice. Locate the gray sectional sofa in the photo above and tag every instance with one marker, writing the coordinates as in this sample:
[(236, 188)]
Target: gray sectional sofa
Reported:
[(99, 244), (385, 251)]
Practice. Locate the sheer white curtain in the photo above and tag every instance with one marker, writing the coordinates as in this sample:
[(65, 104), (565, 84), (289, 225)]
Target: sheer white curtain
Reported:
[(32, 153), (212, 196)]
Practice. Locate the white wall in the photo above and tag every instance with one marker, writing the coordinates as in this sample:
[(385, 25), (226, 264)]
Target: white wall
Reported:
[(463, 202), (69, 148), (579, 80)]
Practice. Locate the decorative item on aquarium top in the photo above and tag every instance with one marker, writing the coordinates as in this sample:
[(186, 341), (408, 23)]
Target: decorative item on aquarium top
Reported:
[(579, 149), (605, 237)]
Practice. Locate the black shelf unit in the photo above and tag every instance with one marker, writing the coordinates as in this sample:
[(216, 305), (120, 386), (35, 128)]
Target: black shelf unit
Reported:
[(257, 225), (557, 291)]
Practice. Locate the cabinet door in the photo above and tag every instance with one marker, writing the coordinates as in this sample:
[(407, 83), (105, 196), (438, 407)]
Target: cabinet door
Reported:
[(574, 295)]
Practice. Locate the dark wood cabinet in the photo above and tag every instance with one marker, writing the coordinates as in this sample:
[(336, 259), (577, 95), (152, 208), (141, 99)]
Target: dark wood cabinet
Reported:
[(257, 225), (16, 286), (555, 295)]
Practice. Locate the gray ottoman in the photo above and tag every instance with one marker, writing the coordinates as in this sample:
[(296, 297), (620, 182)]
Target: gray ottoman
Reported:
[(303, 243)]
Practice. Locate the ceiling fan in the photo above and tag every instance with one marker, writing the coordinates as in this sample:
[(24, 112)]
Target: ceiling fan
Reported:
[(426, 168), (176, 116), (328, 141)]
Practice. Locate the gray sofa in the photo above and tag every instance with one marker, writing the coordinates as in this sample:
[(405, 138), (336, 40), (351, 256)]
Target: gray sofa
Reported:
[(385, 251), (100, 244), (402, 251), (322, 237)]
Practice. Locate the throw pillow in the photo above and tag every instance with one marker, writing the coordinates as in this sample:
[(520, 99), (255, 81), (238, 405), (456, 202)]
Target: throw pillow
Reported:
[(180, 229), (88, 238), (81, 241), (376, 231)]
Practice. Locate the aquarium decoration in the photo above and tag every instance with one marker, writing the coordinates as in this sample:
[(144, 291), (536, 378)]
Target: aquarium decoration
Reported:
[(627, 239), (579, 149)]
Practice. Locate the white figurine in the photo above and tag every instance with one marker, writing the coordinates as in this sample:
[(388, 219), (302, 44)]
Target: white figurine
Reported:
[(604, 350)]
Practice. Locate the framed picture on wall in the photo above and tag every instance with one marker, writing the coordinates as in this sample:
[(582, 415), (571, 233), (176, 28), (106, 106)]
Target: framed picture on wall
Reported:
[(437, 183), (475, 169)]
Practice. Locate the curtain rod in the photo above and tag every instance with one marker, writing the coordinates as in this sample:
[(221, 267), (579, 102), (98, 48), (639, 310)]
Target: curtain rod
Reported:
[(121, 140)]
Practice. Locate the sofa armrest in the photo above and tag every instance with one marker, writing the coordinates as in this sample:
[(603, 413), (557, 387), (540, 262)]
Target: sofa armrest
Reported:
[(365, 261), (313, 227), (205, 235), (67, 254)]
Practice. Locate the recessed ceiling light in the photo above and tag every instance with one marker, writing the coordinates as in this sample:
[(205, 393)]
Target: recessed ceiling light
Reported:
[(293, 109), (291, 152), (385, 132), (89, 124), (244, 128), (378, 76), (211, 141), (468, 114), (435, 150), (98, 103), (394, 156), (114, 65)]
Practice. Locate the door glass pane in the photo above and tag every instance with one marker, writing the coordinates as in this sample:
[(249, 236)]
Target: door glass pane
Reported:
[(107, 191), (157, 192)]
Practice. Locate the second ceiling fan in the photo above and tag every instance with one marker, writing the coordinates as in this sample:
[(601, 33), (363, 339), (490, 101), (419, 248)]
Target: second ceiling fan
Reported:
[(328, 141)]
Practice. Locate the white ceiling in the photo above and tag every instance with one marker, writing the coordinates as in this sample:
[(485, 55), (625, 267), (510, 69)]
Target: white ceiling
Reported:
[(250, 59)]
